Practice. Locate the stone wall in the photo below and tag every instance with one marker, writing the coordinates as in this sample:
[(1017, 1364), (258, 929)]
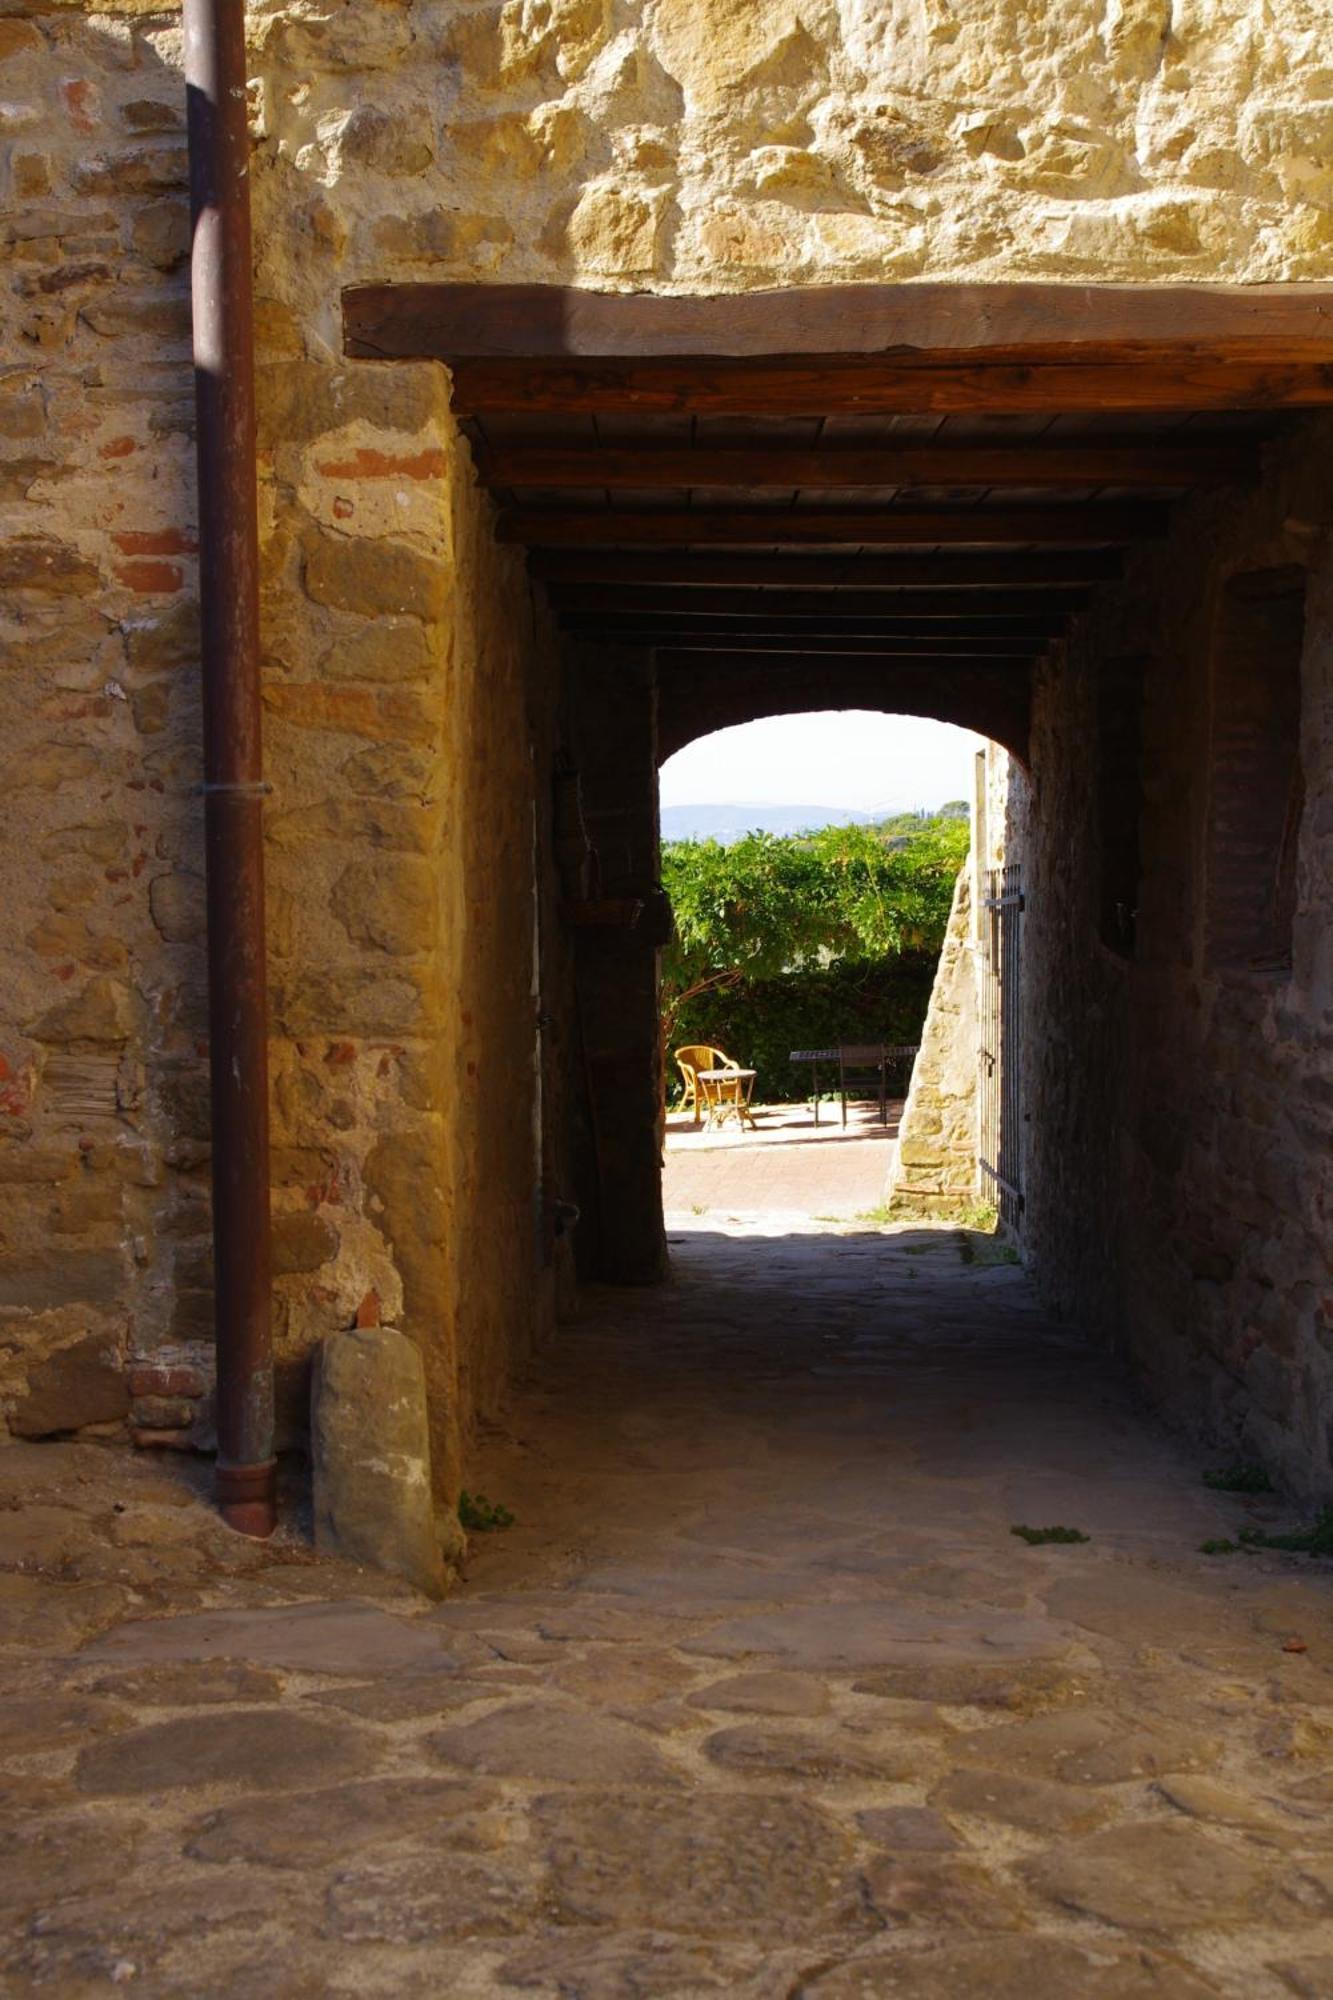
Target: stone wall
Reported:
[(412, 715), (1179, 1183), (412, 686), (933, 1164), (704, 145), (103, 1107)]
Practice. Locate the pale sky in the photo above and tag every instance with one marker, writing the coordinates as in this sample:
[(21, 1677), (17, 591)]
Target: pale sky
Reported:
[(854, 758)]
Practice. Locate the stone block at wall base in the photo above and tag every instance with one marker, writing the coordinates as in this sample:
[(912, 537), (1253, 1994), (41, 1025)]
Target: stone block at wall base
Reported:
[(77, 1385), (370, 1451), (909, 1204)]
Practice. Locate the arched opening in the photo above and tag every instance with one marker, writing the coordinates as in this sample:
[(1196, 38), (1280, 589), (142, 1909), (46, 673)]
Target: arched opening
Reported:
[(988, 698), (820, 870)]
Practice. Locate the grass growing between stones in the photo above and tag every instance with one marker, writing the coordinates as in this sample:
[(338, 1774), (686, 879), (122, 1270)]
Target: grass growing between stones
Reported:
[(986, 1252), (1238, 1479), (980, 1217), (1039, 1537), (481, 1515), (1316, 1540)]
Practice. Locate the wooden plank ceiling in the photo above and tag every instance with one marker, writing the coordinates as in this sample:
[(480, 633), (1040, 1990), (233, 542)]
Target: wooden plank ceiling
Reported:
[(927, 474)]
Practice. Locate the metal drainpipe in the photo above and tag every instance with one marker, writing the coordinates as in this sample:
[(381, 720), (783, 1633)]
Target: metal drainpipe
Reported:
[(221, 284)]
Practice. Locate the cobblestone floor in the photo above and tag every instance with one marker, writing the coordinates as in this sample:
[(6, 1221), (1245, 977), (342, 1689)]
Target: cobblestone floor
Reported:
[(758, 1698)]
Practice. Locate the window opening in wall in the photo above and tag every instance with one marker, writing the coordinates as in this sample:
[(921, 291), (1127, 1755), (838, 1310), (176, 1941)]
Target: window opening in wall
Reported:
[(1119, 788), (1258, 791)]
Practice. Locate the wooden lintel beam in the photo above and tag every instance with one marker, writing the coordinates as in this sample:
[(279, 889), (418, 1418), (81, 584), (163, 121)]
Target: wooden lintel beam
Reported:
[(784, 527), (1051, 568), (822, 350), (1075, 462), (721, 658), (1035, 609), (973, 648), (527, 321), (807, 631)]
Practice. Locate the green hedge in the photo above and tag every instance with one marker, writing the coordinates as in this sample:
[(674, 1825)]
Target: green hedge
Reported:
[(760, 1024)]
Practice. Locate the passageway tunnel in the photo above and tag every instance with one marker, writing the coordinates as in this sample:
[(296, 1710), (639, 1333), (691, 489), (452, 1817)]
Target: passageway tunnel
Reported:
[(1086, 523)]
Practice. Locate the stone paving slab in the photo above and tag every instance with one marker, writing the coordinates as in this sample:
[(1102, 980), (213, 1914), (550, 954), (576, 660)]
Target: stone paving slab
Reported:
[(338, 1638), (842, 1636), (759, 1697)]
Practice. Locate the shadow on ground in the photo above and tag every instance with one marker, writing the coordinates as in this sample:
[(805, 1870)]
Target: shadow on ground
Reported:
[(759, 1696)]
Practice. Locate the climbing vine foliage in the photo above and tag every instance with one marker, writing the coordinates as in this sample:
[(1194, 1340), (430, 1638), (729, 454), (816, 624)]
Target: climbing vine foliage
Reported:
[(773, 905)]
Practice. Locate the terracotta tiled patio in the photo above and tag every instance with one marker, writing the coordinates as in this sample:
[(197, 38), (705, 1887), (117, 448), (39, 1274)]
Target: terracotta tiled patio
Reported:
[(789, 1165)]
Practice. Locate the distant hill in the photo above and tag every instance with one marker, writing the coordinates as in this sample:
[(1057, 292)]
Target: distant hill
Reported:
[(731, 822)]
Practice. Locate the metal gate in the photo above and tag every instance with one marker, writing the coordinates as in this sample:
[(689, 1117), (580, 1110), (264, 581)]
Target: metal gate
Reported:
[(1000, 1148)]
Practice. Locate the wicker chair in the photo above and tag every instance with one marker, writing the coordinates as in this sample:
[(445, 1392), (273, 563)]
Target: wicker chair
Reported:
[(689, 1061)]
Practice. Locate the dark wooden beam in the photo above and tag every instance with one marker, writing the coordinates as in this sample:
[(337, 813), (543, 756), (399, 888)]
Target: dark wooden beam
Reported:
[(812, 664), (853, 385), (826, 349), (1077, 462), (826, 643), (449, 321), (775, 632), (1021, 629), (683, 571), (1035, 609), (783, 526), (804, 631)]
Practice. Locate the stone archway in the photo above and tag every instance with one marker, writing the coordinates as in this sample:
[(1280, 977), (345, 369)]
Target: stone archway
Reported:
[(695, 698)]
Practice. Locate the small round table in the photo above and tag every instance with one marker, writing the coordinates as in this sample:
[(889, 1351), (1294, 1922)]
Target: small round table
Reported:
[(726, 1094)]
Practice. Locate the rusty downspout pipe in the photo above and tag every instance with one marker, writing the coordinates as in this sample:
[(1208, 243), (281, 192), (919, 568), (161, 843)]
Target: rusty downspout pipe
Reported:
[(222, 293)]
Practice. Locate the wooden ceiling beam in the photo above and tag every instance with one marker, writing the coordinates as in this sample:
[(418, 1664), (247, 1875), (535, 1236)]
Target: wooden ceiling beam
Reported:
[(1034, 608), (799, 646), (777, 528), (1076, 462), (1024, 631), (858, 385), (721, 659), (1053, 568)]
